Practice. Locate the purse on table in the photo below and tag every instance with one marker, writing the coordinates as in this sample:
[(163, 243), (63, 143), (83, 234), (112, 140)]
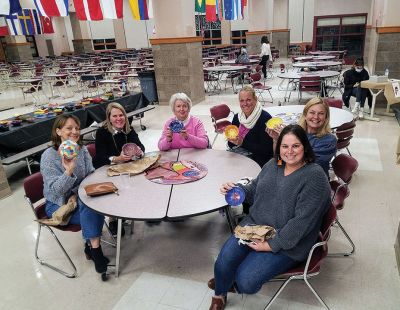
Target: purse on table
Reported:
[(103, 188)]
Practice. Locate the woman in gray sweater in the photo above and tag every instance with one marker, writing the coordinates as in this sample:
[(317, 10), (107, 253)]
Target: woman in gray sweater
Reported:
[(61, 179), (291, 194)]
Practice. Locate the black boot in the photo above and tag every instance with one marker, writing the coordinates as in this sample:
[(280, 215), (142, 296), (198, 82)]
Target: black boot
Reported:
[(88, 254), (100, 262)]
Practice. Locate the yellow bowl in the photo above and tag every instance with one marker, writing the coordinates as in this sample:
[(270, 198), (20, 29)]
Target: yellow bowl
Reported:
[(273, 122), (231, 131)]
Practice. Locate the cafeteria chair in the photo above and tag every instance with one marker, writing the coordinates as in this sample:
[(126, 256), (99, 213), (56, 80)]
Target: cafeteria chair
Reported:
[(312, 266), (344, 134), (219, 115), (33, 186), (334, 102), (309, 84), (259, 87), (344, 167)]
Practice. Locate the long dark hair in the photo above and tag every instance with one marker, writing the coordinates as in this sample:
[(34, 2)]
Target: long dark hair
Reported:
[(60, 123), (264, 39), (299, 132)]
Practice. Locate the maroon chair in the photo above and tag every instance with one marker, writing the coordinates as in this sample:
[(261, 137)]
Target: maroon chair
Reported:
[(33, 186), (311, 267), (219, 115), (259, 87), (91, 149), (344, 167), (344, 134), (309, 84), (334, 102)]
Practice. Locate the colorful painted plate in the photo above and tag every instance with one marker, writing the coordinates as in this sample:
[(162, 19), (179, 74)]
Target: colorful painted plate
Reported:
[(235, 196), (176, 126), (231, 131), (273, 122)]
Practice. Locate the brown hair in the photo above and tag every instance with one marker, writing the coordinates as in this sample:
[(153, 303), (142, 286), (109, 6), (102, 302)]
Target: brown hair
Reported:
[(325, 128), (107, 123), (249, 89), (60, 123)]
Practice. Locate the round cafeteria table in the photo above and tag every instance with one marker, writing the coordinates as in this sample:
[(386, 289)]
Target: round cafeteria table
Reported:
[(337, 116), (232, 62), (316, 64), (141, 199)]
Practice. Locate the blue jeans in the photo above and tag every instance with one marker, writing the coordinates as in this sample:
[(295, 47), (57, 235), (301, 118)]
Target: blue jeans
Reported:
[(90, 221), (248, 269), (360, 93)]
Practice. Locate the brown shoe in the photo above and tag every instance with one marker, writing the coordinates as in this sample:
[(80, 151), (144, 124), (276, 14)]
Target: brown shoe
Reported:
[(217, 303), (211, 285)]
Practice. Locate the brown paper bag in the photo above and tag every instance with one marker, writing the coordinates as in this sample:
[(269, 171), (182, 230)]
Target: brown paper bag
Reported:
[(134, 167), (259, 232), (62, 215)]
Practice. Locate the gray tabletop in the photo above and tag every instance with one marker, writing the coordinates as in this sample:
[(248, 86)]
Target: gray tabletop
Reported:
[(293, 75), (316, 64)]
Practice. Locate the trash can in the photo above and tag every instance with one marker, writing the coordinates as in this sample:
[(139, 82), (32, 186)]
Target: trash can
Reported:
[(148, 84)]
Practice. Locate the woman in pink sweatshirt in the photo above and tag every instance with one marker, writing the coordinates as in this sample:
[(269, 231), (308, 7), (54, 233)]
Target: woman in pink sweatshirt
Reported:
[(192, 134)]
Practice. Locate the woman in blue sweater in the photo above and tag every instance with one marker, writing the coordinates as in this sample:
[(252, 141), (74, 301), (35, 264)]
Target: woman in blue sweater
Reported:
[(291, 194), (62, 178)]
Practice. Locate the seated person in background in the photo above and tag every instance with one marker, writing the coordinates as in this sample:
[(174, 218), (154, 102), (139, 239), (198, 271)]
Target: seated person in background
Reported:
[(193, 135), (62, 177), (252, 140), (352, 79), (315, 121), (291, 194), (109, 141), (243, 58)]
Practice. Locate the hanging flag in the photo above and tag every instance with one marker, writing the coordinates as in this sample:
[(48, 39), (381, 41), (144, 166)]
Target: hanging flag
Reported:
[(228, 9), (3, 27), (211, 15), (25, 19), (37, 24), (233, 9), (112, 9), (88, 10), (8, 7), (13, 25), (200, 6), (244, 4), (150, 9), (52, 7), (139, 9), (220, 9), (47, 25)]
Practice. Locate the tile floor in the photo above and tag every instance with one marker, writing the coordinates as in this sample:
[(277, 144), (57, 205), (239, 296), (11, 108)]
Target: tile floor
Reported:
[(167, 266)]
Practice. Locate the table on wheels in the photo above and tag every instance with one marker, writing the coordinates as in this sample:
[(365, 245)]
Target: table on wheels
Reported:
[(141, 199)]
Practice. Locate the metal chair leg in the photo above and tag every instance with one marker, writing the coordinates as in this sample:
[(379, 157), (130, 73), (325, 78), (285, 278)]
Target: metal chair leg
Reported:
[(353, 247), (316, 294), (42, 262), (277, 293)]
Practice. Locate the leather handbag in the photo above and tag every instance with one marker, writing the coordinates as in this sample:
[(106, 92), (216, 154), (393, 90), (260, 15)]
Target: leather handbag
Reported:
[(97, 189)]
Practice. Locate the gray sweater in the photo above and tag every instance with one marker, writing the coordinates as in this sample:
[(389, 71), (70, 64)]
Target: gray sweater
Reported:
[(58, 186), (294, 205)]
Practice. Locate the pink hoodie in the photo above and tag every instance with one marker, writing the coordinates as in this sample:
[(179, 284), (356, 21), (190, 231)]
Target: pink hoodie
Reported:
[(197, 136)]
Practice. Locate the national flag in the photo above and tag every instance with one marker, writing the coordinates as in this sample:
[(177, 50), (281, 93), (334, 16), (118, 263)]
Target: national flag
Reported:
[(37, 24), (200, 6), (211, 15), (3, 27), (220, 9), (150, 8), (47, 25), (228, 9), (8, 7), (234, 9), (112, 9), (25, 19), (88, 10), (52, 7), (13, 25), (139, 9)]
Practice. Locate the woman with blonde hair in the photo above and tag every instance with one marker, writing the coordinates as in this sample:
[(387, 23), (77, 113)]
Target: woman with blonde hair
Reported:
[(315, 121)]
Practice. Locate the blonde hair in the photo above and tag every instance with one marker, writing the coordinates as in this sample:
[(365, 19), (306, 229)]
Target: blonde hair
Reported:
[(180, 96), (249, 89), (325, 128), (108, 125)]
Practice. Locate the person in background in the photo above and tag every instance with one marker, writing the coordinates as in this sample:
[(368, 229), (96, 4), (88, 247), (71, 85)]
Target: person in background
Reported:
[(352, 79), (242, 58), (315, 121), (61, 180), (252, 140), (109, 141), (291, 194), (265, 54), (193, 134)]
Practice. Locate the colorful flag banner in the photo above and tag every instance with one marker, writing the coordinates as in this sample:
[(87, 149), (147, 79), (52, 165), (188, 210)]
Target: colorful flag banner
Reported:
[(211, 15), (139, 9), (112, 9), (150, 8), (13, 25), (26, 24), (200, 6), (233, 9), (88, 9), (52, 7), (3, 27), (220, 9), (8, 7), (37, 24), (47, 24)]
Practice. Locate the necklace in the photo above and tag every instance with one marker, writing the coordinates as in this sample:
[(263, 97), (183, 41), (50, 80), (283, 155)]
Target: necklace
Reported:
[(115, 143)]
